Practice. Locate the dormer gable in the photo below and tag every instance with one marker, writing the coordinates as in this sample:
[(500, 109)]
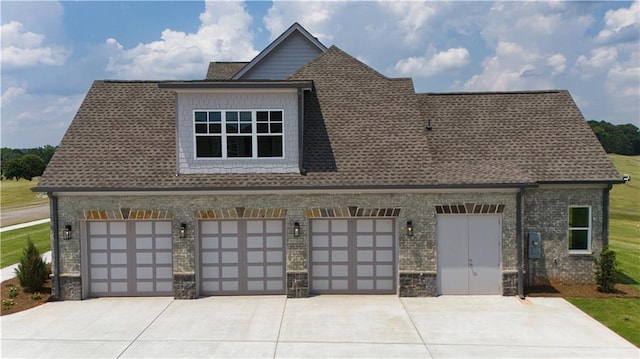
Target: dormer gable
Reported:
[(290, 51)]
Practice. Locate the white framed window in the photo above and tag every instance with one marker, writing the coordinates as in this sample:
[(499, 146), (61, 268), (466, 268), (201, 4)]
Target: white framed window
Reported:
[(238, 133), (580, 229)]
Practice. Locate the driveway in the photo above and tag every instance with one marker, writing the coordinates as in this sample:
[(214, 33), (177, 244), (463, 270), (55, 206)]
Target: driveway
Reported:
[(316, 327)]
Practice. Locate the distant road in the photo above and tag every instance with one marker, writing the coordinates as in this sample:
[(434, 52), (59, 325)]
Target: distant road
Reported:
[(22, 215)]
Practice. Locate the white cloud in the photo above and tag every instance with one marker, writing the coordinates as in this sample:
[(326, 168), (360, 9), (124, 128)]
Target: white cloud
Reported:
[(318, 17), (223, 35), (558, 62), (601, 59), (413, 16), (22, 48), (512, 68), (621, 24), (32, 120), (450, 59)]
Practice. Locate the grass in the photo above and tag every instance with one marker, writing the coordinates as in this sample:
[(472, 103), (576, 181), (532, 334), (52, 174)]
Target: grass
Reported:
[(16, 194), (626, 197), (13, 242), (624, 222), (619, 314), (622, 315)]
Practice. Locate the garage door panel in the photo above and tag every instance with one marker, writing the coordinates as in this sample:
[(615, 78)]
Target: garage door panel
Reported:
[(97, 228), (130, 258), (98, 243), (353, 250), (144, 228), (251, 257), (209, 243)]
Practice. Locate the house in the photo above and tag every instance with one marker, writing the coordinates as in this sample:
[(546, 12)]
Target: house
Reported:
[(306, 171)]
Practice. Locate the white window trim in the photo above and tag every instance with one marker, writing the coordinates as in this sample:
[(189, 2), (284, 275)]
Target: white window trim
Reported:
[(580, 251), (223, 134)]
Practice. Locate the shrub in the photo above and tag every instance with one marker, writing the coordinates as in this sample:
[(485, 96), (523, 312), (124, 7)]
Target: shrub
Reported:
[(7, 302), (13, 291), (606, 270), (32, 270)]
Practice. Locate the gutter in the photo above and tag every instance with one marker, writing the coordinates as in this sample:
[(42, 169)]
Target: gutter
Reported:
[(605, 216), (53, 208), (286, 188), (520, 243)]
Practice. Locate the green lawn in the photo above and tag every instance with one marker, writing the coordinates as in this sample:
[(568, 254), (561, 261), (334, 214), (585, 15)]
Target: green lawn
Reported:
[(626, 197), (624, 222), (13, 242), (620, 315), (15, 194)]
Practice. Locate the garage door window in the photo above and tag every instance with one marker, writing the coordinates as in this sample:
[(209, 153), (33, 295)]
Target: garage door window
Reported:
[(579, 229)]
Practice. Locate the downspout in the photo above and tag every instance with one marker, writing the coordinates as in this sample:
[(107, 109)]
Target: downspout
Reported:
[(53, 208), (519, 243), (605, 216)]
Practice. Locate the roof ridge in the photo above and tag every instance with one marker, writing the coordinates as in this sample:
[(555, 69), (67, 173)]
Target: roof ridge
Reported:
[(521, 92)]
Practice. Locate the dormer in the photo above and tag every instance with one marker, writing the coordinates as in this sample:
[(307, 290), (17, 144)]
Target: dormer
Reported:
[(250, 122)]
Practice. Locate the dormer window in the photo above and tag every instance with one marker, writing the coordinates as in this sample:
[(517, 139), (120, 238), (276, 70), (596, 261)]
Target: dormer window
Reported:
[(238, 133)]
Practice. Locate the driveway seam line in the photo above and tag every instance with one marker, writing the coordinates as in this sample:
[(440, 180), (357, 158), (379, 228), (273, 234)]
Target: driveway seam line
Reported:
[(145, 328), (284, 309), (416, 328)]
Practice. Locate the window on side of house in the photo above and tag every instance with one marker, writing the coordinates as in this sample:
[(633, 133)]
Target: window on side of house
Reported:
[(580, 229), (238, 133)]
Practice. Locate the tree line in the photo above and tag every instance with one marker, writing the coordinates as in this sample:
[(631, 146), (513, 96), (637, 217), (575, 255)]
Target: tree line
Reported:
[(620, 139), (25, 163)]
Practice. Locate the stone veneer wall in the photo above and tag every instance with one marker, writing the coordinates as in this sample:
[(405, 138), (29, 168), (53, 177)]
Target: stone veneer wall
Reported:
[(547, 212), (417, 254)]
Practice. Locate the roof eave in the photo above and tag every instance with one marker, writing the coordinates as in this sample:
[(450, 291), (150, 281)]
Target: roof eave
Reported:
[(280, 188)]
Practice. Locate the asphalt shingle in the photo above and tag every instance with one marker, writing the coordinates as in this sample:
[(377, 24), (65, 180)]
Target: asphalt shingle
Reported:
[(361, 129), (224, 70)]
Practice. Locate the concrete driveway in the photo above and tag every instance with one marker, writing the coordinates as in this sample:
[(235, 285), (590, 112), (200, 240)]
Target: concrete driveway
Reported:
[(317, 327)]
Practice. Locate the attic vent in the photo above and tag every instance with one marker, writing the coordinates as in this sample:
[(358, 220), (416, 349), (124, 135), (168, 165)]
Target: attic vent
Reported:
[(469, 208)]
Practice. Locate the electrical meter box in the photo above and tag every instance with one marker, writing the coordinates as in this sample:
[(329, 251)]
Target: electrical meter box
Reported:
[(535, 245)]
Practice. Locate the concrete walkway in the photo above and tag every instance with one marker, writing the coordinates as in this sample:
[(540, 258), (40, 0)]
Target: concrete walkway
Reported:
[(24, 225), (316, 327)]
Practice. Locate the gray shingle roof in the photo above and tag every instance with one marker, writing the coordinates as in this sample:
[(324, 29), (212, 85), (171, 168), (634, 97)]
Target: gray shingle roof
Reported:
[(361, 130), (224, 70)]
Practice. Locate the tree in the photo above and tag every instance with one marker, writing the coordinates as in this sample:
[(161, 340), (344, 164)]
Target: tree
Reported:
[(32, 270), (620, 139), (16, 168), (35, 165)]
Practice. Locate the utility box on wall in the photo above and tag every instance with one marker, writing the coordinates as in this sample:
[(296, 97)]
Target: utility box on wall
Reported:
[(535, 245)]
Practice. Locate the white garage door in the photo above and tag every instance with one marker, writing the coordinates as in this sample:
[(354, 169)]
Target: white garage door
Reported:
[(242, 257), (469, 249), (353, 256), (130, 258)]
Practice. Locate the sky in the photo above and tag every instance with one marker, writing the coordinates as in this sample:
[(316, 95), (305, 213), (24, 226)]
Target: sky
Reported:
[(52, 51)]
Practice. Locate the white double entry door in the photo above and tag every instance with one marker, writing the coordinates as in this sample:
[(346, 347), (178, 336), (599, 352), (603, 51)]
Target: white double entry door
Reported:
[(469, 252)]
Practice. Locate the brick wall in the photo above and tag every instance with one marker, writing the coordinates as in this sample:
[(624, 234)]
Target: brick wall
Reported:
[(417, 254), (547, 212)]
